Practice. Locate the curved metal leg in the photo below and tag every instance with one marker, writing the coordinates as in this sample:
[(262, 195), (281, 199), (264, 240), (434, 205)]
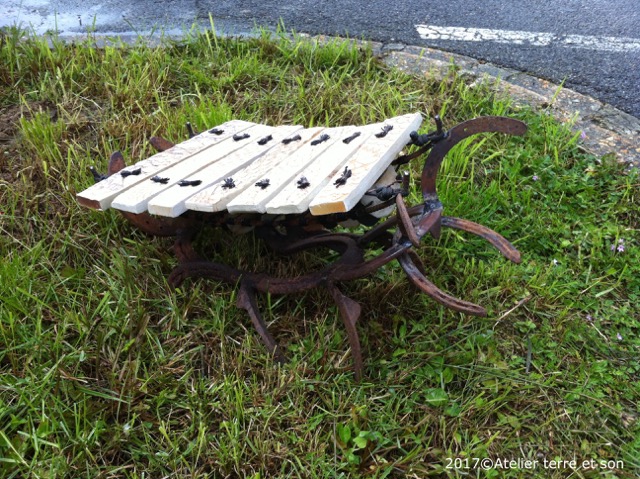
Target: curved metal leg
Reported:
[(350, 312), (432, 290), (498, 241), (404, 224), (247, 301)]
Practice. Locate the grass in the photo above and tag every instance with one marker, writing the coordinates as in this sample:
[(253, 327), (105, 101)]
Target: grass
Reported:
[(105, 371)]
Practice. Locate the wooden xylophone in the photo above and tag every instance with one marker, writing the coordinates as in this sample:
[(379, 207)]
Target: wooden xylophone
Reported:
[(243, 167), (291, 185)]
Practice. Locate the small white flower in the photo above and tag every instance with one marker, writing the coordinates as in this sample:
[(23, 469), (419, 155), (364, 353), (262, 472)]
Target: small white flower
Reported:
[(555, 262), (619, 336)]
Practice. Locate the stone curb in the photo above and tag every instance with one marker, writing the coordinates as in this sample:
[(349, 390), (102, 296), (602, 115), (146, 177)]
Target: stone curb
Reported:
[(607, 130)]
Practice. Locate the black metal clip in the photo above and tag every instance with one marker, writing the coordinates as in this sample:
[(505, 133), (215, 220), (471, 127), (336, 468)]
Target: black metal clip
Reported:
[(189, 182), (228, 183), (265, 140), (216, 131), (125, 173), (346, 174), (303, 183), (162, 181), (190, 130), (286, 141), (349, 139), (429, 138), (385, 129), (385, 193), (323, 137), (238, 136), (97, 176), (263, 183)]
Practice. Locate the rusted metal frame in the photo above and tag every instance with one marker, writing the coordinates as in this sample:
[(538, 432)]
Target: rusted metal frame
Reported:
[(349, 309), (350, 265)]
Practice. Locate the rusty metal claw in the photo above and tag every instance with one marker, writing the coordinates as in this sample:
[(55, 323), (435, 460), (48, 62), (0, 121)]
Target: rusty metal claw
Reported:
[(350, 312), (436, 293), (247, 301), (498, 241), (406, 226)]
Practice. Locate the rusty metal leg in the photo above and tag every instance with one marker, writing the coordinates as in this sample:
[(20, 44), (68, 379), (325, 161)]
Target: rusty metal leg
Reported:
[(498, 241), (432, 290), (405, 224), (247, 301), (417, 261), (350, 312), (183, 247)]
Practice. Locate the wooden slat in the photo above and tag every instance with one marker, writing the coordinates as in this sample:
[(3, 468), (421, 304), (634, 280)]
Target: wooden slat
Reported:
[(215, 197), (254, 199), (293, 199), (366, 165), (101, 195), (244, 165), (136, 199)]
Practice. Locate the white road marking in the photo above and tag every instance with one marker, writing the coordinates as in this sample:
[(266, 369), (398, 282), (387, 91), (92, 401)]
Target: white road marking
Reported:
[(540, 39)]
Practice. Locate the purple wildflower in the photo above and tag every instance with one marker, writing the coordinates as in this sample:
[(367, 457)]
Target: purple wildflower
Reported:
[(535, 178), (589, 318), (583, 135), (618, 247), (619, 336)]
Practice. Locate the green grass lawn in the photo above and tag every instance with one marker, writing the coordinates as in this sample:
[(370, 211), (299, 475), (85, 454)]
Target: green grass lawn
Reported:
[(105, 371)]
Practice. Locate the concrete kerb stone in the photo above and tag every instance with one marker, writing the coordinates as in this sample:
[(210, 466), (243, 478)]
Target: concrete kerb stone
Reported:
[(607, 130)]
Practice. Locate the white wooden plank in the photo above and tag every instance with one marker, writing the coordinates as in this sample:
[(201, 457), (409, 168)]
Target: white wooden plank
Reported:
[(293, 199), (216, 197), (254, 199), (136, 199), (245, 165), (101, 194), (366, 165)]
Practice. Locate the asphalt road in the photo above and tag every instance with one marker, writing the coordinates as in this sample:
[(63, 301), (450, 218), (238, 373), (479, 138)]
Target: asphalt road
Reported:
[(593, 46)]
